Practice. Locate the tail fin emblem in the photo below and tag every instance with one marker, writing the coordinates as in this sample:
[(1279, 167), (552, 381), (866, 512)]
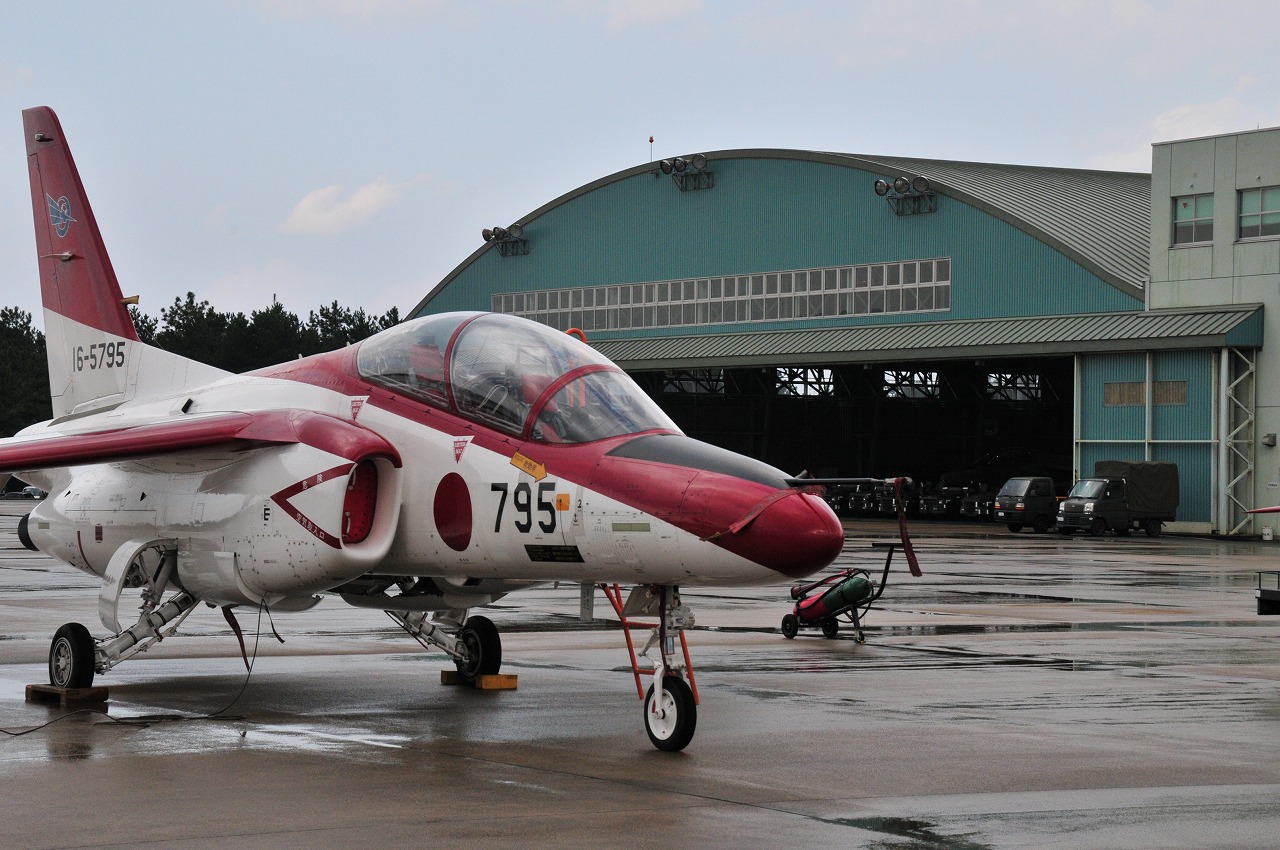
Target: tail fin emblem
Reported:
[(60, 214)]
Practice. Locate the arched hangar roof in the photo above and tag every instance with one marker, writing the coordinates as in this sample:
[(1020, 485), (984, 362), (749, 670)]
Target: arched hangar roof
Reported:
[(1101, 219), (1098, 219)]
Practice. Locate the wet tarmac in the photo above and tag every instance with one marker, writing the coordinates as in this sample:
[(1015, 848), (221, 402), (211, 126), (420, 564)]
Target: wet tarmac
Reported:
[(1028, 691)]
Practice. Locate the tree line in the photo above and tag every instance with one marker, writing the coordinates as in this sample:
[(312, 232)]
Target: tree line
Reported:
[(191, 328)]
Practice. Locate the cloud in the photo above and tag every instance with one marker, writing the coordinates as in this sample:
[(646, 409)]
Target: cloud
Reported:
[(326, 211), (12, 77), (365, 10), (253, 288), (1189, 120)]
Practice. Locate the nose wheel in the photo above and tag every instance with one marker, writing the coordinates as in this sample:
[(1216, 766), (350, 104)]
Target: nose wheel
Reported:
[(670, 715)]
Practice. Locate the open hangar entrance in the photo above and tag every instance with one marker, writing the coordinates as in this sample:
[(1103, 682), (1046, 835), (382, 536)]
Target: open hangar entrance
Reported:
[(923, 419)]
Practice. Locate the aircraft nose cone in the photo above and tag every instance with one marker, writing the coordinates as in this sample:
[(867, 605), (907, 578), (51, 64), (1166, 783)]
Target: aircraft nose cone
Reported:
[(796, 536)]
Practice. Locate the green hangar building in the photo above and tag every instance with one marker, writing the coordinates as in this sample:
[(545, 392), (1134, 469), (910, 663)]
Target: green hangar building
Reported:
[(860, 315)]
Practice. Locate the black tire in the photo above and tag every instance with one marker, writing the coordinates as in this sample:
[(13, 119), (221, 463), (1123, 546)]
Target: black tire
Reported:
[(672, 731), (1153, 527), (830, 627), (1066, 531), (71, 657), (484, 649), (1042, 524), (1122, 532), (1015, 527), (790, 626), (1098, 527)]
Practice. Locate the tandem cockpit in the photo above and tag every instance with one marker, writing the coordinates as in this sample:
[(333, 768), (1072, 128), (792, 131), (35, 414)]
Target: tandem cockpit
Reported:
[(511, 374)]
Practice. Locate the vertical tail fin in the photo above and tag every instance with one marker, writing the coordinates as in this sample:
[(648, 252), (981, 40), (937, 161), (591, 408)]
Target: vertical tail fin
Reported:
[(95, 358), (76, 278)]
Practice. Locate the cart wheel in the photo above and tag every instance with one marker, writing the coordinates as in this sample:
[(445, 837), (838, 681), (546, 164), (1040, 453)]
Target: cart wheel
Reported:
[(790, 626), (830, 627)]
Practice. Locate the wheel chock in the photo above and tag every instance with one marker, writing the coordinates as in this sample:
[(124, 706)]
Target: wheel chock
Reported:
[(487, 682), (66, 696)]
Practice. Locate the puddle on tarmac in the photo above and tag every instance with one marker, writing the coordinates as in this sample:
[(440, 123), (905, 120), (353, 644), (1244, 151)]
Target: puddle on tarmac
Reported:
[(909, 834)]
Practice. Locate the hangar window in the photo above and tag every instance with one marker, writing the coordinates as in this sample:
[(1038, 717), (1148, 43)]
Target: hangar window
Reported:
[(911, 384), (693, 381), (913, 286), (1005, 386), (1260, 212), (1192, 219), (806, 382)]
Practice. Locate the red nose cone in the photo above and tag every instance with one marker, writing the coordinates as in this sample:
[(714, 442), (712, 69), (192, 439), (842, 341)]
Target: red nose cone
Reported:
[(796, 536)]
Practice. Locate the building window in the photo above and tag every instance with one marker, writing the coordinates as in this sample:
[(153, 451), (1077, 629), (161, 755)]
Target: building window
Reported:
[(1192, 219), (1123, 394), (1169, 392), (1133, 393), (1260, 212)]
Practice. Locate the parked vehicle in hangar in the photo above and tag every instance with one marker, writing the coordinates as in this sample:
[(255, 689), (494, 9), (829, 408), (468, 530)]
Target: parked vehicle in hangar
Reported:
[(1029, 501), (1121, 497)]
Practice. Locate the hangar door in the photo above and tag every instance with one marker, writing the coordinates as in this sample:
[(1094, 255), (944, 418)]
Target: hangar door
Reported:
[(919, 419)]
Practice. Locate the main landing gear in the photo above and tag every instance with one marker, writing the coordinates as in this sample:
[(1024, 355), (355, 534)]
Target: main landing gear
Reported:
[(74, 656), (472, 642)]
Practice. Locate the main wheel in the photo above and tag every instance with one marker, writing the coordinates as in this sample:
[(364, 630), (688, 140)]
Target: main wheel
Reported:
[(790, 626), (1015, 527), (1042, 524), (71, 657), (1153, 527), (1098, 527), (671, 716), (830, 627), (484, 648)]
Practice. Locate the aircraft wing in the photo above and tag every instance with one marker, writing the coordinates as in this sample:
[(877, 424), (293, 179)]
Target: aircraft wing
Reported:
[(247, 429)]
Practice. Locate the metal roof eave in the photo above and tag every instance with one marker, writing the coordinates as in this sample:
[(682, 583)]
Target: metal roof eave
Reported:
[(1238, 326)]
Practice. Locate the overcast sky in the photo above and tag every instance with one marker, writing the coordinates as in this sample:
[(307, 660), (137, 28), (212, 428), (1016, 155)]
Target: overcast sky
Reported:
[(353, 149)]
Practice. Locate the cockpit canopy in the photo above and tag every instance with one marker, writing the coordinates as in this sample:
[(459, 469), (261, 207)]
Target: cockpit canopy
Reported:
[(511, 374)]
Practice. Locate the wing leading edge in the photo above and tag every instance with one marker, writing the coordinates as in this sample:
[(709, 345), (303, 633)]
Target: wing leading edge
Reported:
[(248, 429)]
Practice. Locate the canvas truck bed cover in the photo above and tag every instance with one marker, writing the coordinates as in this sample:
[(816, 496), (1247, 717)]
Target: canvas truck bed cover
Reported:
[(1152, 485)]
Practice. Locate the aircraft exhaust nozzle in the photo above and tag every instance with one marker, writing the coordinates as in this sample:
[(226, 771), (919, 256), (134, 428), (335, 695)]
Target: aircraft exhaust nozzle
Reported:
[(23, 535)]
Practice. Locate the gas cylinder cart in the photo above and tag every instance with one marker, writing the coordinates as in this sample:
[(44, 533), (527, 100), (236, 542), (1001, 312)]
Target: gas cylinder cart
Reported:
[(848, 594)]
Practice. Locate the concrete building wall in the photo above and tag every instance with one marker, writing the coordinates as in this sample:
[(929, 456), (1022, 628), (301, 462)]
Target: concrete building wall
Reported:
[(1228, 269)]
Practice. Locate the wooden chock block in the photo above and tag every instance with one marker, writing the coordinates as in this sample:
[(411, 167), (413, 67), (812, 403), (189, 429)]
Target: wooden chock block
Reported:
[(496, 682), (66, 696), (488, 682)]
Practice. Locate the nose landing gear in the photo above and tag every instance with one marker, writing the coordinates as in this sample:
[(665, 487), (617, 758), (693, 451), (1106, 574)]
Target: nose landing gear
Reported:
[(671, 703)]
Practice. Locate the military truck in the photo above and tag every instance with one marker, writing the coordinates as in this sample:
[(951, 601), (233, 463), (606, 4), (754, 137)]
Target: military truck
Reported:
[(1122, 496), (1029, 501)]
